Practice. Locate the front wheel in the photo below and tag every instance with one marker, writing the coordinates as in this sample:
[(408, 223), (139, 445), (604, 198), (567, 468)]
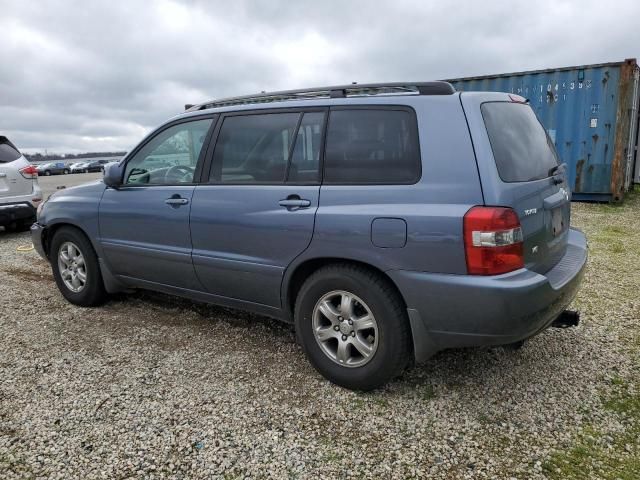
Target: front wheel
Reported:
[(47, 173), (353, 326), (76, 269), (66, 172)]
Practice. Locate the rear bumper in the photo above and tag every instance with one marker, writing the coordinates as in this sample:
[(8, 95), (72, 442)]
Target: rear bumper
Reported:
[(466, 310), (12, 212)]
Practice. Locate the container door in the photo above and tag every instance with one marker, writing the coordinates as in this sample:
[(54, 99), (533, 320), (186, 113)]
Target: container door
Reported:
[(526, 175)]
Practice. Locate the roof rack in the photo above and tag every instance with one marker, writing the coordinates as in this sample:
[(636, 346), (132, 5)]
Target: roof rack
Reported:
[(341, 91)]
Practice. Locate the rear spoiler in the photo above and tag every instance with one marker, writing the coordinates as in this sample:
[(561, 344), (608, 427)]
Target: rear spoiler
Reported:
[(4, 139)]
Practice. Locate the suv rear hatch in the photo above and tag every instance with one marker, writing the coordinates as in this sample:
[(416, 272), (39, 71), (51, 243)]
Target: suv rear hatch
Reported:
[(525, 174), (12, 182)]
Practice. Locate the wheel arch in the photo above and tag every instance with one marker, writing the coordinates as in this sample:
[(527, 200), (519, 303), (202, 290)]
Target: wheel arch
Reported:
[(295, 277), (111, 283), (51, 228)]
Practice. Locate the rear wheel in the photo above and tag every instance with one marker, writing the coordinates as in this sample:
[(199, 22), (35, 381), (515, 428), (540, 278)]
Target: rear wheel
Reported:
[(47, 172), (66, 171), (76, 269), (353, 327)]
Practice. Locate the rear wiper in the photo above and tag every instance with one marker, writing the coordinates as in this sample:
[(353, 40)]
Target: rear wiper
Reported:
[(560, 168), (556, 171)]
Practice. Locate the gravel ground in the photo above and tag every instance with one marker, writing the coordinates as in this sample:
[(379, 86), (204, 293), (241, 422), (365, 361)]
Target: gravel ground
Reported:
[(154, 387)]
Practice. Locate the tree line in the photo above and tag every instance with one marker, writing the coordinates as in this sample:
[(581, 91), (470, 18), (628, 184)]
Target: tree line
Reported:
[(38, 157)]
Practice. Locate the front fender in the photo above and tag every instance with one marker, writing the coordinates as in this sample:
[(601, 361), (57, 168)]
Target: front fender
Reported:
[(76, 206)]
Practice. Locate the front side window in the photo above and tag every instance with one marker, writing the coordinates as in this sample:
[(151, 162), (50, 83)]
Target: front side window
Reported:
[(170, 157), (372, 146), (254, 148)]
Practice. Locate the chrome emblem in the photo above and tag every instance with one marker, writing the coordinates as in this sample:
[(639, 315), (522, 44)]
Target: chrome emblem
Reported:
[(530, 211), (565, 193), (534, 249)]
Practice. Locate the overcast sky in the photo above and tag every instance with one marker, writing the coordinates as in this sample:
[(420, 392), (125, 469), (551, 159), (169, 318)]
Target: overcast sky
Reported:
[(98, 75)]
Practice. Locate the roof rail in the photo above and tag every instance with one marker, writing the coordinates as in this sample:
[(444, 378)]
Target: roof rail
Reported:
[(341, 91)]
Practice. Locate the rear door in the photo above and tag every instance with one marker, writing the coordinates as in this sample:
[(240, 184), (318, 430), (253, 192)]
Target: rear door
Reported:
[(12, 183), (256, 212), (519, 168)]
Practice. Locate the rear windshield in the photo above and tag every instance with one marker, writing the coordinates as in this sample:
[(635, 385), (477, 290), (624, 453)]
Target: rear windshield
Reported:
[(8, 152), (522, 149)]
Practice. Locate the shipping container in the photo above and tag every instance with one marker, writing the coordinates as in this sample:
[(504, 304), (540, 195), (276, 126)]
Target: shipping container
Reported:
[(591, 114)]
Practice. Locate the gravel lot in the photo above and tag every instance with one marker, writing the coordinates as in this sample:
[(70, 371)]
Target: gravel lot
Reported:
[(150, 386)]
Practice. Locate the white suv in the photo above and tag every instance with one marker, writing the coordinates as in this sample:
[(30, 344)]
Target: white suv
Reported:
[(20, 193)]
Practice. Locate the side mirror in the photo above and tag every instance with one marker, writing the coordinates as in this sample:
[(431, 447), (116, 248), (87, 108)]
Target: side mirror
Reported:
[(113, 174)]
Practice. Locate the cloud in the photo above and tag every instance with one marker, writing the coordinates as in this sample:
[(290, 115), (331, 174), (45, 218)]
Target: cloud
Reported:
[(78, 76)]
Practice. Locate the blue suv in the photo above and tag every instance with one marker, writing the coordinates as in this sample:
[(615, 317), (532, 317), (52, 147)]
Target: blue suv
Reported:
[(386, 221)]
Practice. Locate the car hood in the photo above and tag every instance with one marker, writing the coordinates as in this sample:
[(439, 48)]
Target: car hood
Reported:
[(94, 188)]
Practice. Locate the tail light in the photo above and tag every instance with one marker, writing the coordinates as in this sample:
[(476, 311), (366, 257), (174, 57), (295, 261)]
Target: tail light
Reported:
[(29, 172), (492, 241)]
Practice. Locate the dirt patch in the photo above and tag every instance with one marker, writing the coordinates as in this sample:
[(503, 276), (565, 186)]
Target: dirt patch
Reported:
[(28, 274)]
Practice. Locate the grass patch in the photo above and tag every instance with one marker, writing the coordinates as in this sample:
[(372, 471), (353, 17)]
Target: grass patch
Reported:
[(428, 393), (614, 230), (597, 455), (617, 247)]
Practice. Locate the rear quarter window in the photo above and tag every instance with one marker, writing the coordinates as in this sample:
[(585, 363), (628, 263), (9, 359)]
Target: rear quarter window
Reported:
[(372, 146), (8, 153), (521, 147)]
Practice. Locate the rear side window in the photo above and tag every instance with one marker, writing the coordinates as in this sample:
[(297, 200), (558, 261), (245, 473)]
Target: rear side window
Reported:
[(522, 149), (254, 148), (372, 146), (8, 153)]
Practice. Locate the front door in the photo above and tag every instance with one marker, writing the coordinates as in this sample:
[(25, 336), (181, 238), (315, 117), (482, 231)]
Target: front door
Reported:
[(144, 224), (257, 212)]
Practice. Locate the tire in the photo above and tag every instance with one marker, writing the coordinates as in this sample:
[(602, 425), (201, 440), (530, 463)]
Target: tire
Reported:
[(66, 171), (92, 292), (389, 341), (47, 172)]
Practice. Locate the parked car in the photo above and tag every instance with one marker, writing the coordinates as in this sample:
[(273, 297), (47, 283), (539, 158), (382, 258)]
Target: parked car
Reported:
[(53, 168), (96, 166), (20, 193), (386, 222), (78, 167)]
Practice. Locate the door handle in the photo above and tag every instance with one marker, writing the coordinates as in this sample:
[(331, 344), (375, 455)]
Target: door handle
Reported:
[(294, 202), (176, 201)]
